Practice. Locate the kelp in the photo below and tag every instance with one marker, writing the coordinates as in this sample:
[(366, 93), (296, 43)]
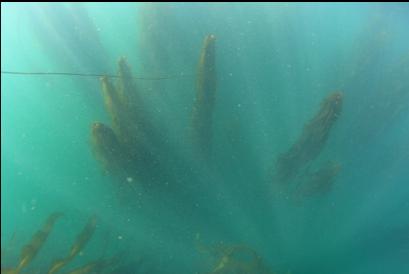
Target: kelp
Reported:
[(233, 259), (30, 250), (80, 242), (312, 140), (202, 111), (130, 147)]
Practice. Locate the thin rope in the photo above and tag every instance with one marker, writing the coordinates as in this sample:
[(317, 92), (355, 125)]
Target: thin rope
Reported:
[(91, 75)]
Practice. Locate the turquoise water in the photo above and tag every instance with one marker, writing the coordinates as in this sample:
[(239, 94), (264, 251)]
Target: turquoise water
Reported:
[(275, 63)]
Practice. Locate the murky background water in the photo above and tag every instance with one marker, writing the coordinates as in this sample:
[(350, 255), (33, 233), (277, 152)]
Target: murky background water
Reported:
[(274, 65)]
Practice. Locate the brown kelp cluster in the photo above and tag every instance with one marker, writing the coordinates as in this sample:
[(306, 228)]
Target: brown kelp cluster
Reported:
[(81, 240), (229, 259), (29, 251), (309, 145), (129, 147), (124, 148)]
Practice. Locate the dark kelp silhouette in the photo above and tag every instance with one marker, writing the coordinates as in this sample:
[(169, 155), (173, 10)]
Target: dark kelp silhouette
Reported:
[(231, 259), (130, 147), (122, 149), (312, 140), (101, 265), (29, 251), (203, 106), (80, 242)]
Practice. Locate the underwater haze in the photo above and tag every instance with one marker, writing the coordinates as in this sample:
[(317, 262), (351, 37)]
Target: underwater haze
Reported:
[(205, 138)]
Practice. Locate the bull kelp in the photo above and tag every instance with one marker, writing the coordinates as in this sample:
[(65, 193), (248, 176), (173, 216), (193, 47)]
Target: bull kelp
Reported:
[(204, 138)]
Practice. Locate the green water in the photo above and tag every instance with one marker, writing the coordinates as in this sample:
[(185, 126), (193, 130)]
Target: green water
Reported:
[(275, 63)]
